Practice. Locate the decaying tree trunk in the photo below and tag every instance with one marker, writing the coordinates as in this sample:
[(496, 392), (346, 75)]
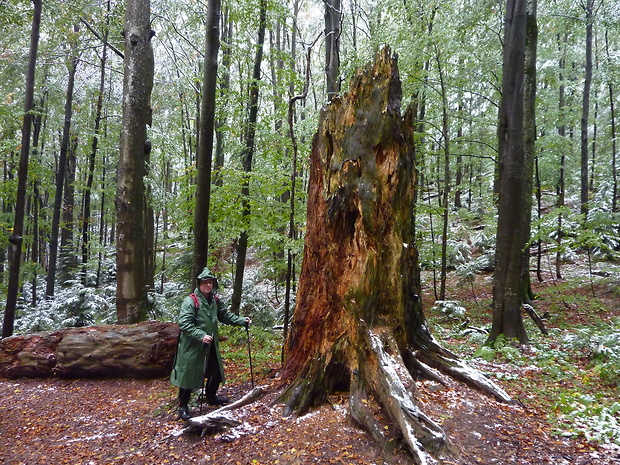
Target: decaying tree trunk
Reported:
[(358, 323), (144, 350)]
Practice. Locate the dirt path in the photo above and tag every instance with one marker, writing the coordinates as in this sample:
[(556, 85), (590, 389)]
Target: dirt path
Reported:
[(92, 422)]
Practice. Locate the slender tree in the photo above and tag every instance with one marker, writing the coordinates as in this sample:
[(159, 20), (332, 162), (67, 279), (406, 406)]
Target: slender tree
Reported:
[(588, 8), (333, 17), (248, 154), (86, 217), (204, 157), (529, 141), (16, 238), (62, 168)]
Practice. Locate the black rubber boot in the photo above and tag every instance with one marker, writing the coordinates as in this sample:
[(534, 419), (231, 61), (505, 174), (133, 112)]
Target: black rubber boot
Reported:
[(184, 413), (184, 396)]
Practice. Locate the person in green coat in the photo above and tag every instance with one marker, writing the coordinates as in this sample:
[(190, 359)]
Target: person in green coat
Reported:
[(198, 352)]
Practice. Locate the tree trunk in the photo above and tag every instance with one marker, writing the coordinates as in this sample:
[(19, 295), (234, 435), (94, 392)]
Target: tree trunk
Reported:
[(68, 255), (358, 316), (204, 157), (61, 173), (15, 239), (144, 350), (131, 298), (250, 133), (585, 108), (561, 186), (529, 143), (445, 132), (511, 232), (612, 117), (86, 219), (227, 37), (333, 14)]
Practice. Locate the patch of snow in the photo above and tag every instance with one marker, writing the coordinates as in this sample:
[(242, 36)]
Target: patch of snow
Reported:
[(307, 416), (91, 438)]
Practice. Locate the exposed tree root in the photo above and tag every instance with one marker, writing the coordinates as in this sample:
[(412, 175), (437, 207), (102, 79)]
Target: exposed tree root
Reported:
[(222, 418), (387, 378)]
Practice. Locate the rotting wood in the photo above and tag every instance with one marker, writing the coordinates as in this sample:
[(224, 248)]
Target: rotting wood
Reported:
[(359, 324)]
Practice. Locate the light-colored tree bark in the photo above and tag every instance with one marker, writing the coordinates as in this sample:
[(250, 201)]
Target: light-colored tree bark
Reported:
[(131, 297)]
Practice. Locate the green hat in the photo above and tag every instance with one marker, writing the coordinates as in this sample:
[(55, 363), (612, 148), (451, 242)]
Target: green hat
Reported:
[(206, 274)]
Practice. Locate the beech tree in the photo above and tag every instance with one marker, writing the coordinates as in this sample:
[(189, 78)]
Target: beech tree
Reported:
[(358, 323), (512, 231), (131, 301)]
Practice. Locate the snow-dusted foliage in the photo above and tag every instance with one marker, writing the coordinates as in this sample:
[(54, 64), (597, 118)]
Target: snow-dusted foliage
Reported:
[(72, 305)]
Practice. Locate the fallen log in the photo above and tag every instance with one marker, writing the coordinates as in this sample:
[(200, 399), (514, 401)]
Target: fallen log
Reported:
[(143, 350)]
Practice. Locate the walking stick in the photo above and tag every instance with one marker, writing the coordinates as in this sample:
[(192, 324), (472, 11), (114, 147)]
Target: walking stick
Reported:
[(207, 350), (247, 332)]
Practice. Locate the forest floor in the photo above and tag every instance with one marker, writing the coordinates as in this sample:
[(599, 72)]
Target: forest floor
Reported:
[(121, 421)]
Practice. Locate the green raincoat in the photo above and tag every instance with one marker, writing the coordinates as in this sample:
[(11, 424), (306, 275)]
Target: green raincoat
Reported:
[(195, 323)]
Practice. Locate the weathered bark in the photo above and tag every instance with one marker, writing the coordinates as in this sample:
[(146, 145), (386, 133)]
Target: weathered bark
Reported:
[(131, 296), (144, 350), (358, 323)]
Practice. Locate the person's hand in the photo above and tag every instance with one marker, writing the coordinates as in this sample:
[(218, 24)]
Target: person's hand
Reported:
[(207, 339)]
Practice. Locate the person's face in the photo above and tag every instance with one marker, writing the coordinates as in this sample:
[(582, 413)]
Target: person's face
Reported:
[(206, 286)]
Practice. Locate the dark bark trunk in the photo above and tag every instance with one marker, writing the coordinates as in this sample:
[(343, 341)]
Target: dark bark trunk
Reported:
[(333, 14), (511, 232), (224, 90), (612, 117), (561, 186), (529, 143), (248, 155), (61, 174), (68, 255), (358, 317), (86, 219), (20, 204), (204, 156), (131, 297), (585, 108)]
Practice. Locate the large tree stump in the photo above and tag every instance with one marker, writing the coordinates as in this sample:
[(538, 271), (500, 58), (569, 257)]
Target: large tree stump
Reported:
[(358, 323), (144, 350)]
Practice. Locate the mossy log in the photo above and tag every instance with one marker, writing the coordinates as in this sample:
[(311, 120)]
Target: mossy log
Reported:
[(143, 350), (358, 324)]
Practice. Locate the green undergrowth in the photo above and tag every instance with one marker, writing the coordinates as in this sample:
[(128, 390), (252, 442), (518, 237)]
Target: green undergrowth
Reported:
[(264, 348), (572, 374)]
